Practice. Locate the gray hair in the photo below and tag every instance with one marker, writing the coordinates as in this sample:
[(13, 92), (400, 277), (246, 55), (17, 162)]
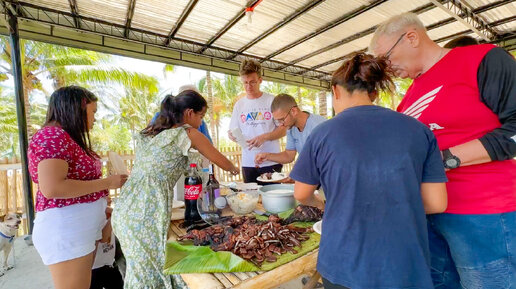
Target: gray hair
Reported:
[(395, 25)]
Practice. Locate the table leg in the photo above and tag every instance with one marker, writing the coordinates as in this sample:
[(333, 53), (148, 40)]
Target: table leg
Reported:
[(313, 281)]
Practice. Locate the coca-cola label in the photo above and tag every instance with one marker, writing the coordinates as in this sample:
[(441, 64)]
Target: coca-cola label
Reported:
[(192, 192)]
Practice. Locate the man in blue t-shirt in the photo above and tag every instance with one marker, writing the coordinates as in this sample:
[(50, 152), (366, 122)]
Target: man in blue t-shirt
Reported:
[(374, 165), (299, 125)]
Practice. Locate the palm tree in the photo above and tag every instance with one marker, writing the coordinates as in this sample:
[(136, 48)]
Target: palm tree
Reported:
[(65, 66), (226, 92), (323, 105)]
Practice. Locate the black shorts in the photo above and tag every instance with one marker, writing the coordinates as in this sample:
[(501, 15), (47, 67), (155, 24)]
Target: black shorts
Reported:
[(107, 277), (251, 173)]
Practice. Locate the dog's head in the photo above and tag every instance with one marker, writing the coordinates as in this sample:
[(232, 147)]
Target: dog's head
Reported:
[(11, 221)]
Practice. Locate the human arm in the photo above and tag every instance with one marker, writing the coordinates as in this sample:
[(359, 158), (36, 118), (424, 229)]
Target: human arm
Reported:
[(284, 157), (201, 143), (277, 133), (304, 193), (435, 197), (54, 184), (433, 186), (496, 78)]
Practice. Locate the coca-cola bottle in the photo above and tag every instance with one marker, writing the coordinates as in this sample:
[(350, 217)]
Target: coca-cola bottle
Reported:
[(193, 188)]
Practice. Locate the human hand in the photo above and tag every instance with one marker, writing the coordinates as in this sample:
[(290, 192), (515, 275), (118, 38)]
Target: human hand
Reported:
[(257, 141), (109, 211), (234, 171), (106, 233), (116, 181), (260, 158), (231, 137), (288, 180)]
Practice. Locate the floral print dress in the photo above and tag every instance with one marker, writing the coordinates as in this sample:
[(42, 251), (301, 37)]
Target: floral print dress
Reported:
[(142, 213)]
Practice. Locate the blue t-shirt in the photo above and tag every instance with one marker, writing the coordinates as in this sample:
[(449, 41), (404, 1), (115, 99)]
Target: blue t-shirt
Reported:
[(296, 139), (371, 162)]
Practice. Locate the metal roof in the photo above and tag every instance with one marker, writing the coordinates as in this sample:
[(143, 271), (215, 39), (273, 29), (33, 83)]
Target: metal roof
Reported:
[(298, 41)]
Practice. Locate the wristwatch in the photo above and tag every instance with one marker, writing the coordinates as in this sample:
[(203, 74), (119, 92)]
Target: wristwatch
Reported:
[(449, 160)]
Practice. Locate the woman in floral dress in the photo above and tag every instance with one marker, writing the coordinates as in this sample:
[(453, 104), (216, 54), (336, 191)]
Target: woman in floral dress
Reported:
[(142, 213)]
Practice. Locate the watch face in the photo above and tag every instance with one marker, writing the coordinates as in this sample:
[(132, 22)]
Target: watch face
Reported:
[(452, 163)]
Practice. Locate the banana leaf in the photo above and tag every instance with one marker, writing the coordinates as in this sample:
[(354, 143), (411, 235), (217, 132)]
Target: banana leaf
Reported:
[(187, 258)]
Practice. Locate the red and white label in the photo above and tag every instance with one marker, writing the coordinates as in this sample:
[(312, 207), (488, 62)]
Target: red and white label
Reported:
[(192, 192)]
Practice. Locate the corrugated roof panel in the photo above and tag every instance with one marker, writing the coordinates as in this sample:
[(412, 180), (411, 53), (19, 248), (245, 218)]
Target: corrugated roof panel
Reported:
[(479, 3), (157, 15), (446, 30), (332, 67), (354, 25), (337, 52), (266, 15), (114, 11), (61, 5), (329, 55), (208, 17), (500, 13), (433, 16), (511, 26), (319, 16)]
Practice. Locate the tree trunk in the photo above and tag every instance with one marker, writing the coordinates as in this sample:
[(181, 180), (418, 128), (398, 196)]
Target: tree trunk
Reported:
[(217, 128), (323, 106), (30, 129), (211, 111)]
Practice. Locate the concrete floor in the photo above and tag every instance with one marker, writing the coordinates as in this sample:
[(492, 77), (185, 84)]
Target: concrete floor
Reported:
[(29, 271)]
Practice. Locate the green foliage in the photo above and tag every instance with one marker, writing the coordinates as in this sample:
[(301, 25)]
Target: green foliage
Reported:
[(106, 136), (72, 66)]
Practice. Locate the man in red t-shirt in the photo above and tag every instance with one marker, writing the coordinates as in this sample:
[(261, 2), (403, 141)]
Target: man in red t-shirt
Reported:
[(467, 97)]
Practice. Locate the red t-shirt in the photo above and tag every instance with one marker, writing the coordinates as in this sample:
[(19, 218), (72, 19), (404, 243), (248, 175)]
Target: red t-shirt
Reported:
[(52, 142), (447, 99)]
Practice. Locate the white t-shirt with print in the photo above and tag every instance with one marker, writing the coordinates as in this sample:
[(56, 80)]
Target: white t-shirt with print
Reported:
[(105, 254), (254, 117)]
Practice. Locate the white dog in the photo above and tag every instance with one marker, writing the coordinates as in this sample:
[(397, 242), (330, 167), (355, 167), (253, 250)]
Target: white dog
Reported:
[(8, 227)]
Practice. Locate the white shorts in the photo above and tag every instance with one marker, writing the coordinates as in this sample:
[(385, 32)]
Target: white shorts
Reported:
[(70, 232)]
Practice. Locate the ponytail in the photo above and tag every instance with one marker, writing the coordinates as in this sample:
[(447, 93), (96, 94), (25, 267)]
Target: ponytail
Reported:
[(172, 111), (364, 72)]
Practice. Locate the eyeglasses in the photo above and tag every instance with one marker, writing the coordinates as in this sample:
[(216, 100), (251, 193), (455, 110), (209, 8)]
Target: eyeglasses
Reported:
[(250, 83), (389, 52), (281, 121)]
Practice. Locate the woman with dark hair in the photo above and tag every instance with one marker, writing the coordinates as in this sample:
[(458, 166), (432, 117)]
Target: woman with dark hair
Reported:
[(142, 213), (71, 197), (381, 171)]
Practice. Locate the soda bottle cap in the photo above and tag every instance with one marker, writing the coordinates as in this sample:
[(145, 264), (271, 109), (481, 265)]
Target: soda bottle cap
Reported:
[(193, 165)]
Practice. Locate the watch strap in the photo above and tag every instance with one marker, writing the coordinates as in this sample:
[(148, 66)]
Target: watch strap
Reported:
[(447, 154)]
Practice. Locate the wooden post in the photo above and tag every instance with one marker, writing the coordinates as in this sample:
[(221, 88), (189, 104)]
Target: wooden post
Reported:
[(323, 106), (4, 189)]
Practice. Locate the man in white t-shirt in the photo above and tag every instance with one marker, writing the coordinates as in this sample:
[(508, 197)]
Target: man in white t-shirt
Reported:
[(252, 115)]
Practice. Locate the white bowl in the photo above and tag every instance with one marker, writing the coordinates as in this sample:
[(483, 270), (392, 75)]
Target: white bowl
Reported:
[(278, 198), (243, 202)]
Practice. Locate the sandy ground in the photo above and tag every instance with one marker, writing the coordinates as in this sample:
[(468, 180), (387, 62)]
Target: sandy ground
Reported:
[(29, 271)]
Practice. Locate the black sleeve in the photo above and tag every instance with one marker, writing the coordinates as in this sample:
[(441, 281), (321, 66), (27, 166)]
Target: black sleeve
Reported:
[(497, 84)]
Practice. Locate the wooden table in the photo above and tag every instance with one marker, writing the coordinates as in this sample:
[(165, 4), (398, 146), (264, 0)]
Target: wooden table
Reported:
[(248, 280)]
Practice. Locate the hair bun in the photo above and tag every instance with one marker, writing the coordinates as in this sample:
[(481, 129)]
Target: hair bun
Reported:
[(363, 72)]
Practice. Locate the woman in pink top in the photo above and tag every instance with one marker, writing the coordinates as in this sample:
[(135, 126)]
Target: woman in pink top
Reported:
[(70, 201)]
